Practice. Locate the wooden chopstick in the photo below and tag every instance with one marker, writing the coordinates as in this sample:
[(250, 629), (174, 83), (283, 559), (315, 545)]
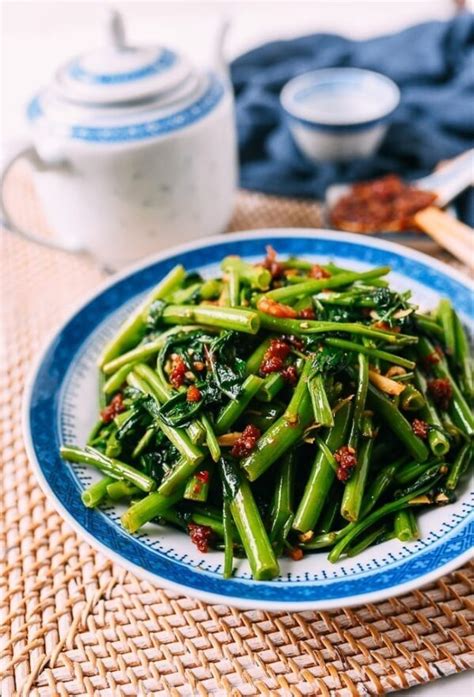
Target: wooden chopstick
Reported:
[(448, 232)]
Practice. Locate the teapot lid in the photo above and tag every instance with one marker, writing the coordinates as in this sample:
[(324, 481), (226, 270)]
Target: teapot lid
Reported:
[(119, 73), (122, 93)]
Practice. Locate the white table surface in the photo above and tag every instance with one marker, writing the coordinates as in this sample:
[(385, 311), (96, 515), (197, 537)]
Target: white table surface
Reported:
[(38, 36)]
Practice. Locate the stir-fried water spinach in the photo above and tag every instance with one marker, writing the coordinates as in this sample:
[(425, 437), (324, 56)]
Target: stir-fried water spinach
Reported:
[(282, 409)]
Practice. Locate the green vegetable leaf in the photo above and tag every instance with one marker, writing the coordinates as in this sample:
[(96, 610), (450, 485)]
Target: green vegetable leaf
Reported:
[(177, 411), (231, 477), (155, 314), (228, 369), (329, 360)]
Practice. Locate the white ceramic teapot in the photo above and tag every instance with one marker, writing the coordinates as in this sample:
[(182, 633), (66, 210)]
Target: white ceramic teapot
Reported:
[(132, 150)]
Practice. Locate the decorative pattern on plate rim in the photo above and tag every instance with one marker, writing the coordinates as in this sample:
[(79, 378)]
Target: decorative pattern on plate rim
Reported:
[(165, 60), (205, 103), (100, 530)]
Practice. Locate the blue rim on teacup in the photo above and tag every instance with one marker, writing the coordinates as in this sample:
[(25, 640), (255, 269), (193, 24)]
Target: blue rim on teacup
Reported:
[(339, 113), (299, 98)]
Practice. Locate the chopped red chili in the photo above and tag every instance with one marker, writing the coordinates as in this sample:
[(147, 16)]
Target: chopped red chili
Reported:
[(278, 347), (441, 390), (346, 459), (307, 313), (289, 374), (385, 204), (270, 262), (246, 442), (432, 359), (295, 553), (193, 394), (178, 371), (271, 307), (384, 326), (274, 357), (115, 407), (272, 364), (295, 341), (318, 272), (203, 476), (201, 535), (420, 428)]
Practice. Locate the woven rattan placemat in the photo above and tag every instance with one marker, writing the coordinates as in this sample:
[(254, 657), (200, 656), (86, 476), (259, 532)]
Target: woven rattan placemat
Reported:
[(74, 623)]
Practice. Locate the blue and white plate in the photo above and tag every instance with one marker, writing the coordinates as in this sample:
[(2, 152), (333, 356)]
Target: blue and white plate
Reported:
[(61, 405)]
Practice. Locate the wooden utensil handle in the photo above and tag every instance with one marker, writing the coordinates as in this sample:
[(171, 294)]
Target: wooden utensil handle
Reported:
[(448, 232)]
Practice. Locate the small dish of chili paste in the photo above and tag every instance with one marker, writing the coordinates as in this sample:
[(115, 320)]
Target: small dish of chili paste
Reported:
[(387, 204)]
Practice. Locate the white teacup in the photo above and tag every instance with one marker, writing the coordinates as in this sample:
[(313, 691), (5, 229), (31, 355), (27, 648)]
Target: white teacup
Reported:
[(339, 113)]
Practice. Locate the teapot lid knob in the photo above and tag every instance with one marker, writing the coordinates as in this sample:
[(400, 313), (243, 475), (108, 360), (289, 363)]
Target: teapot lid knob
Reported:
[(114, 29), (118, 73)]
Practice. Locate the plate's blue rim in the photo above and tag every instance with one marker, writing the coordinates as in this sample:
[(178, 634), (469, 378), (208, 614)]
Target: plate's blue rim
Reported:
[(42, 401)]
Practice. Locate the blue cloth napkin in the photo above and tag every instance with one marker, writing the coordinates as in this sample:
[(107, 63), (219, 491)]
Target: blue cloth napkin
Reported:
[(432, 63)]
